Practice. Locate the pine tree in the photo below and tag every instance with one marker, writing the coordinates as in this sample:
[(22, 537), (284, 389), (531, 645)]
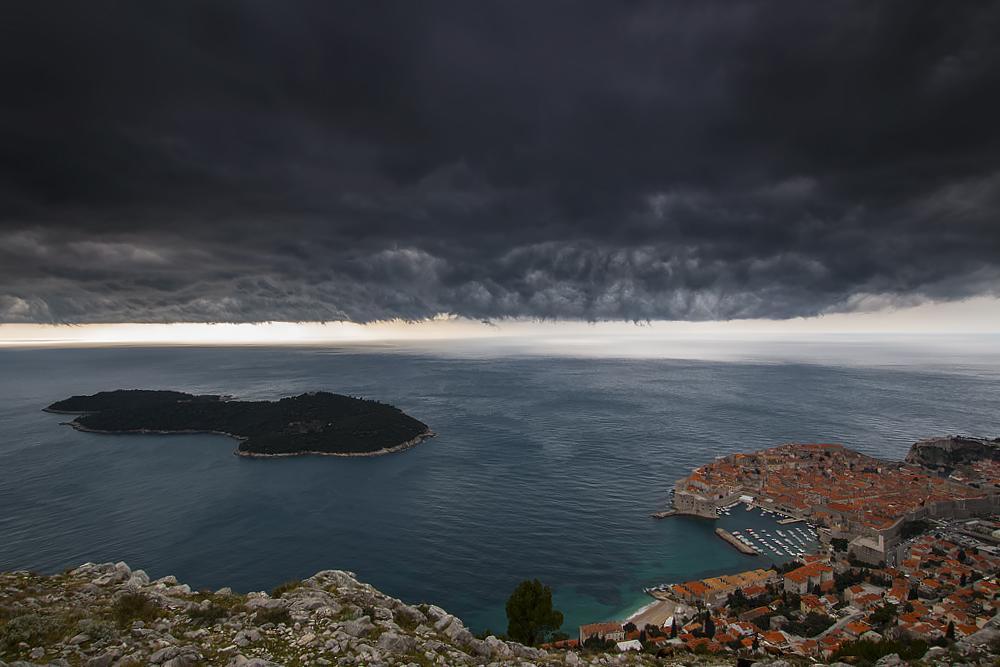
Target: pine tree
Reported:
[(530, 616)]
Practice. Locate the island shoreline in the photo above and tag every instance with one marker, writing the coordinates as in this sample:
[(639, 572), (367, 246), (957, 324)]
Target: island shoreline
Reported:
[(403, 446)]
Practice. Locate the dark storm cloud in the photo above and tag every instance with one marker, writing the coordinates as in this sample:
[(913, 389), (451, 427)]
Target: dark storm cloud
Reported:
[(243, 161)]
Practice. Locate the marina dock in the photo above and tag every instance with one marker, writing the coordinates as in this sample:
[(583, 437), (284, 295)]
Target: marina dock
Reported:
[(788, 520), (664, 514), (742, 548)]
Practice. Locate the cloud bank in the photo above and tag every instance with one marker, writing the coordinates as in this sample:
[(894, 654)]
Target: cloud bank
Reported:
[(238, 162)]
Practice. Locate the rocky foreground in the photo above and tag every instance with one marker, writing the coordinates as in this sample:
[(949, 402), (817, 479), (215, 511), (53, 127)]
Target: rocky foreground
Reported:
[(110, 615)]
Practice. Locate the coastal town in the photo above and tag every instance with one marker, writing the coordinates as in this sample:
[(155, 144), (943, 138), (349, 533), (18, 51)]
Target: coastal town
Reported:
[(905, 559)]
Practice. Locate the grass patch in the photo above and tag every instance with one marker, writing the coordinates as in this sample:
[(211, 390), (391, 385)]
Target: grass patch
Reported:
[(133, 607)]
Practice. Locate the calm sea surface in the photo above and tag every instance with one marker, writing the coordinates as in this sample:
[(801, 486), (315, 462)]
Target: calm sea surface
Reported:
[(543, 466)]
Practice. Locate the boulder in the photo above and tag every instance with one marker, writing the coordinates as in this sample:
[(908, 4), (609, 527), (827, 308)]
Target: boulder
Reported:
[(137, 580), (246, 637), (444, 621), (164, 654), (410, 615), (361, 627), (254, 604), (183, 660), (395, 643), (334, 578), (176, 656), (498, 648), (435, 612), (243, 661), (106, 659), (479, 647)]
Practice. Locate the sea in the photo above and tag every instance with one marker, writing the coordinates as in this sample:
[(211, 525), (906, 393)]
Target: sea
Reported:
[(547, 464)]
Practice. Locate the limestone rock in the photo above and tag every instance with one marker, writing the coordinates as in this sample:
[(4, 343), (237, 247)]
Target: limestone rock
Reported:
[(361, 627), (104, 660)]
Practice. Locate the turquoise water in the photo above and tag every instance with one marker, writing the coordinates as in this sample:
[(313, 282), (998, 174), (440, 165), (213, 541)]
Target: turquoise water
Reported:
[(543, 467)]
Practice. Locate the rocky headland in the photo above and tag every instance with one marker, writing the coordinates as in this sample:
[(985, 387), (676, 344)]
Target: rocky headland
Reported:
[(946, 454)]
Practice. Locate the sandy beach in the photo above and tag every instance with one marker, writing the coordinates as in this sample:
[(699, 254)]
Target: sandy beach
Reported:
[(655, 613)]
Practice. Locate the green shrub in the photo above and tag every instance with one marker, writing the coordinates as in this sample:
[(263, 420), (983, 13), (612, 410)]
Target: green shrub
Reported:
[(207, 615), (407, 622), (96, 628), (276, 615), (870, 652), (132, 607), (285, 587), (811, 625), (33, 629)]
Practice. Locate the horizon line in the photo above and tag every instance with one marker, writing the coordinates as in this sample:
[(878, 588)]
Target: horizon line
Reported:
[(975, 316)]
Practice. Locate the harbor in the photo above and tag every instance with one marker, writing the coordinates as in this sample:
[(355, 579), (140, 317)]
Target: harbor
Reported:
[(767, 538), (756, 530)]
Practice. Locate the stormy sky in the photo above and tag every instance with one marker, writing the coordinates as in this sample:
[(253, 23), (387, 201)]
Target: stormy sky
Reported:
[(304, 161)]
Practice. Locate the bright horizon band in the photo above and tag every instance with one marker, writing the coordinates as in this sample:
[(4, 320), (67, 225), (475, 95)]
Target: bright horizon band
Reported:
[(978, 315)]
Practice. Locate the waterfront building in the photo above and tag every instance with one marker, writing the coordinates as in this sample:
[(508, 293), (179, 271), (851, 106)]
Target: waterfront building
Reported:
[(604, 631)]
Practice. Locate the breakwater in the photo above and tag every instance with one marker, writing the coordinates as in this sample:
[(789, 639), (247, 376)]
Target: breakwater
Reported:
[(742, 548)]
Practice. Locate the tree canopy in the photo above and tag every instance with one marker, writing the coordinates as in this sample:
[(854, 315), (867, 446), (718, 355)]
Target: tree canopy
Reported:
[(530, 616)]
